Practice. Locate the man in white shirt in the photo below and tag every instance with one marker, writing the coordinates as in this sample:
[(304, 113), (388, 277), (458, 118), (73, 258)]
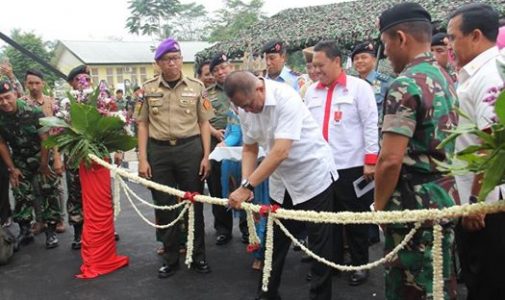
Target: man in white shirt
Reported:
[(345, 108), (472, 32), (272, 115)]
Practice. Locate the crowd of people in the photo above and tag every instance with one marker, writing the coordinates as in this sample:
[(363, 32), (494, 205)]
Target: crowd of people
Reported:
[(332, 142)]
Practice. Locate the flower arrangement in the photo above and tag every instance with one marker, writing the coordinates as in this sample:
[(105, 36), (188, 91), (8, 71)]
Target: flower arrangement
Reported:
[(88, 122), (487, 158)]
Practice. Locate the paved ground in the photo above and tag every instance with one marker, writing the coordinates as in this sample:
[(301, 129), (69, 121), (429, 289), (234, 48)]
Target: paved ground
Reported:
[(37, 273)]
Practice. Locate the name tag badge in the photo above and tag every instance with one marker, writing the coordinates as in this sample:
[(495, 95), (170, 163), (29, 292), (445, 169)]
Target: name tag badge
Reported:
[(337, 116)]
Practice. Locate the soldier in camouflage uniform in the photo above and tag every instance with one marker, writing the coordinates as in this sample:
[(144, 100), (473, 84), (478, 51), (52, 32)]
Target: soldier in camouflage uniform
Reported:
[(420, 107), (29, 166), (440, 51)]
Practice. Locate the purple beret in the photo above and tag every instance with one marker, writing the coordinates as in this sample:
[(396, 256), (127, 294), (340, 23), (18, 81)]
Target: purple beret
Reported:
[(168, 45)]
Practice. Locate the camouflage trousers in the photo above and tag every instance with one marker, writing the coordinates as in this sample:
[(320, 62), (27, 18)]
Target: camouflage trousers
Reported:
[(32, 186), (410, 274), (74, 200)]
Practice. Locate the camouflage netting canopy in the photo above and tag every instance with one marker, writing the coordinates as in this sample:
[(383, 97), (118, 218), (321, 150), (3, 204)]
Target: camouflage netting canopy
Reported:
[(347, 22)]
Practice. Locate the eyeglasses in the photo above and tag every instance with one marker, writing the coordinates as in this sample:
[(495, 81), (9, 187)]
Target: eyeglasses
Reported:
[(170, 58)]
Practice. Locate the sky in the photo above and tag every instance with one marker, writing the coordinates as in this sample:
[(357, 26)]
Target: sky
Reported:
[(100, 19)]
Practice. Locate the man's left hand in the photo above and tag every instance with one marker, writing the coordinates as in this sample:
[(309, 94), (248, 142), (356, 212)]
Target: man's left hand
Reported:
[(204, 168), (369, 172), (238, 196)]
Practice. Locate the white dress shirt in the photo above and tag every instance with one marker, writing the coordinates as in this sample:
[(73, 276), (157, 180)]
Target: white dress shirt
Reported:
[(348, 111), (479, 84), (309, 168)]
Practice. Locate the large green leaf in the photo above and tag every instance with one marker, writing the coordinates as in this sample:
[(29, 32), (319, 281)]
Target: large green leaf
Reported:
[(500, 108), (53, 122), (493, 175)]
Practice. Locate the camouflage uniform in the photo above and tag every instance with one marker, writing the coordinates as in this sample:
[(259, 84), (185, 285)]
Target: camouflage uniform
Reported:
[(21, 132), (380, 84), (420, 105)]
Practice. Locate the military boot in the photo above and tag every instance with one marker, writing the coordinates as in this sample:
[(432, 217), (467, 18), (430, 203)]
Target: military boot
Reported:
[(51, 240), (25, 236), (76, 243)]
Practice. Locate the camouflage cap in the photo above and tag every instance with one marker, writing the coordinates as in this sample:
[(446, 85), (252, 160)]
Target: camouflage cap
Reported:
[(5, 86), (82, 69), (217, 60), (366, 47), (438, 39), (402, 13), (166, 46), (273, 47)]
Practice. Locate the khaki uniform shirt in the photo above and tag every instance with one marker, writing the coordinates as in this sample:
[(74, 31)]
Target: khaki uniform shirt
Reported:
[(46, 105), (174, 113)]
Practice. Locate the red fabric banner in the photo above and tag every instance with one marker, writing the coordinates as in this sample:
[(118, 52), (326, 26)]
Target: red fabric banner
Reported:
[(98, 250)]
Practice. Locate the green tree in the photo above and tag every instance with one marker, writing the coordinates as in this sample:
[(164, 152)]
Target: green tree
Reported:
[(35, 44), (234, 17), (162, 18)]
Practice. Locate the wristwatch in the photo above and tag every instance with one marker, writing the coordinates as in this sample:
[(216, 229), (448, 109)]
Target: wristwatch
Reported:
[(247, 185)]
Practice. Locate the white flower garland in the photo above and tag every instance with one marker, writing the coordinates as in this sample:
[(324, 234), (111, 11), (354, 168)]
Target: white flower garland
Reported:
[(438, 263), (191, 235), (381, 217), (116, 195), (253, 236), (269, 250)]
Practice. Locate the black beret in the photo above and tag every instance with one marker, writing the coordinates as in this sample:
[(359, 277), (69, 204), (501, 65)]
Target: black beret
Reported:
[(82, 69), (5, 86), (273, 47), (366, 47), (217, 60), (402, 13), (438, 39)]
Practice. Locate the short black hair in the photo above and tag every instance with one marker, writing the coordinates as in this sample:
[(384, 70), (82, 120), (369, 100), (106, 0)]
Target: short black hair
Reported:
[(34, 73), (239, 81), (119, 91), (330, 48), (478, 16), (200, 67), (421, 31)]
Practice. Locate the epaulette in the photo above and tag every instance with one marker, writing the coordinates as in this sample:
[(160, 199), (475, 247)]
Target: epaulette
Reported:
[(383, 77), (150, 80)]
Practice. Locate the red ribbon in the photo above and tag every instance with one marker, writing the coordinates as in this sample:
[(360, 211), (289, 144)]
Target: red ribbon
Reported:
[(265, 209), (190, 196), (253, 248)]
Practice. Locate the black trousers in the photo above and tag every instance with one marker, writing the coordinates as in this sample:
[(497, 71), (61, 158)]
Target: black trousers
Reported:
[(321, 243), (223, 218), (482, 258), (5, 207), (177, 166), (357, 234)]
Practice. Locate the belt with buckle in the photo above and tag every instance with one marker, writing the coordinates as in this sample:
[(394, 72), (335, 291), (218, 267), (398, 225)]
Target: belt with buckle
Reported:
[(174, 141)]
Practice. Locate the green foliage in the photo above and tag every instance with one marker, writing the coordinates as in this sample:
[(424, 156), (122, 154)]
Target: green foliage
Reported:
[(488, 158), (235, 17), (20, 63), (163, 18), (89, 132)]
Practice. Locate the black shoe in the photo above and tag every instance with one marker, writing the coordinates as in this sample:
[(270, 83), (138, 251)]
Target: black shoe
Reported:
[(76, 243), (245, 239), (25, 235), (201, 267), (223, 239), (51, 240), (166, 271), (358, 277)]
